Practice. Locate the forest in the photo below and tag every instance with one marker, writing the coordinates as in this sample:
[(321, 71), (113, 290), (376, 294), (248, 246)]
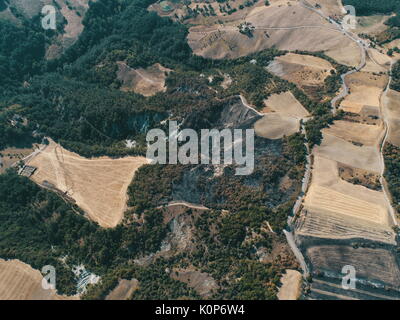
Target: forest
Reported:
[(392, 174)]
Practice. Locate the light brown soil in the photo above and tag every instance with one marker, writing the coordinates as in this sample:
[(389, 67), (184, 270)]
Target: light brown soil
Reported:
[(276, 126), (291, 285), (392, 112), (357, 133), (365, 157), (285, 104), (303, 70), (124, 290), (365, 90), (18, 281), (202, 282), (359, 177), (98, 185), (225, 41), (334, 208), (147, 81)]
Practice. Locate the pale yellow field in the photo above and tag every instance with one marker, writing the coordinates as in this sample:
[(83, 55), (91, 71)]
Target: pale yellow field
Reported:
[(368, 135), (18, 281), (365, 90), (98, 185), (376, 62), (286, 104), (291, 285), (334, 208), (392, 113), (322, 198), (328, 225), (348, 54), (365, 157), (275, 126)]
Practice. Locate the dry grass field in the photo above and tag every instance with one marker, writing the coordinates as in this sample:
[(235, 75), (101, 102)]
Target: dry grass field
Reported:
[(365, 90), (328, 225), (364, 157), (18, 281), (276, 126), (329, 7), (303, 70), (291, 285), (392, 112), (272, 28), (124, 290), (371, 25), (285, 104), (329, 200), (98, 185), (147, 81), (334, 208), (368, 135)]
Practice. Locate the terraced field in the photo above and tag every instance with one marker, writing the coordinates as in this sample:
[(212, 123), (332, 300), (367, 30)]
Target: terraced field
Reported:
[(345, 222)]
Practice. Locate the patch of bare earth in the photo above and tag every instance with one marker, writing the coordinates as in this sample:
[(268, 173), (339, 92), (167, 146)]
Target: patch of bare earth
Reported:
[(303, 70), (276, 126), (124, 290), (146, 82), (98, 185), (201, 282), (73, 12), (291, 285)]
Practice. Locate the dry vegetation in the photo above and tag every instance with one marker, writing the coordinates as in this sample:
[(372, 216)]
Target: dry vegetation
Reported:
[(272, 28), (286, 104), (359, 176), (124, 290), (291, 285), (392, 113), (18, 281), (147, 81), (202, 282), (303, 70), (99, 185), (276, 126)]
